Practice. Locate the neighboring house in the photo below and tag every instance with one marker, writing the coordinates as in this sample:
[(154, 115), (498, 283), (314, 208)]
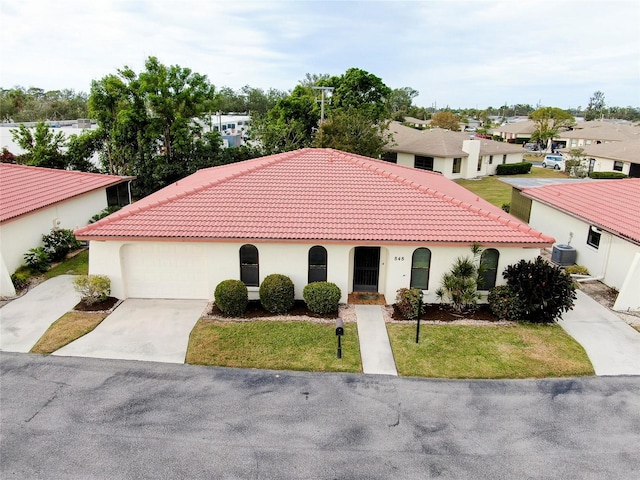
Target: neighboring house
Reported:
[(416, 122), (454, 154), (34, 200), (619, 156), (597, 132), (516, 132), (601, 220), (312, 214)]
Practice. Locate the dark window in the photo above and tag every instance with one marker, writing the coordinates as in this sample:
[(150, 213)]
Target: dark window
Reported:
[(118, 195), (617, 166), (249, 267), (420, 263), (317, 264), (504, 159), (423, 163), (490, 159), (593, 238), (479, 163), (592, 164), (488, 269), (457, 163), (391, 157)]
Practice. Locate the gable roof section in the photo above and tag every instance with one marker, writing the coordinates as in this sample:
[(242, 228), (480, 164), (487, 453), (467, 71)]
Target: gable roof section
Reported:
[(524, 127), (603, 131), (613, 205), (438, 142), (626, 150), (316, 195), (24, 189)]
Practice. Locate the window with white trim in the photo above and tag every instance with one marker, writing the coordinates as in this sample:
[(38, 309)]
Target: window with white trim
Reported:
[(593, 237), (249, 266), (420, 264)]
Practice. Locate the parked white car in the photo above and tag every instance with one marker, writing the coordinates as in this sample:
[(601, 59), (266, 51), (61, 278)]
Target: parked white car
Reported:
[(553, 161)]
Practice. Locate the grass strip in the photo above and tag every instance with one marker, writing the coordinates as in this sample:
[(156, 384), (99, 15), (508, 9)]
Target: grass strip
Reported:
[(66, 329), (273, 345), (460, 351), (76, 265)]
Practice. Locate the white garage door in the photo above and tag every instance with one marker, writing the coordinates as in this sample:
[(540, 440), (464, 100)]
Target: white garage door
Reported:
[(165, 270)]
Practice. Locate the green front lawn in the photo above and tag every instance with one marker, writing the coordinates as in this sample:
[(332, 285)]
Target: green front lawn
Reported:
[(274, 345), (66, 329), (498, 193), (457, 351), (76, 265)]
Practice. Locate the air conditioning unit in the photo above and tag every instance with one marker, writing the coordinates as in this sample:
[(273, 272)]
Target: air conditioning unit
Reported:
[(563, 255)]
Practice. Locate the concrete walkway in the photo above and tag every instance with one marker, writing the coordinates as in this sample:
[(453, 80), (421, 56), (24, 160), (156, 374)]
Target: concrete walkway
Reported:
[(141, 329), (612, 346), (24, 320), (375, 348)]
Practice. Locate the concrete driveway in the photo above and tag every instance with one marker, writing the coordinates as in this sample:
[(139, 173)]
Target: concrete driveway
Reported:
[(612, 345), (25, 319), (141, 329)]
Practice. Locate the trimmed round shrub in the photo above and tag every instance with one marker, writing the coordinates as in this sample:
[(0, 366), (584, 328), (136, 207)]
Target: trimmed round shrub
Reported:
[(504, 303), (408, 303), (277, 293), (322, 297), (231, 297), (21, 278), (93, 288)]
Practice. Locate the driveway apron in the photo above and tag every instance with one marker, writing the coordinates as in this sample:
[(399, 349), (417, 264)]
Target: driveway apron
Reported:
[(612, 346), (141, 329), (25, 319)]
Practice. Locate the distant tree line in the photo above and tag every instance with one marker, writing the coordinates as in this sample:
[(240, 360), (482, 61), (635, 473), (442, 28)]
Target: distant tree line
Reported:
[(156, 124)]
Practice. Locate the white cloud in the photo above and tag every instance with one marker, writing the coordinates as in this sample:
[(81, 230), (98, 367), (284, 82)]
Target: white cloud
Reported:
[(455, 52)]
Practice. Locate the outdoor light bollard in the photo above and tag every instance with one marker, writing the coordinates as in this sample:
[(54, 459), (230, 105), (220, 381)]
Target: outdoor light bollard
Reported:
[(339, 333)]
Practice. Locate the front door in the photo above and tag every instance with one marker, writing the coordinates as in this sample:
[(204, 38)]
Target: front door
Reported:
[(366, 266)]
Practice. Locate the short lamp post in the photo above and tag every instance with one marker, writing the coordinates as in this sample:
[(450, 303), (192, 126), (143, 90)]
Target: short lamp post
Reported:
[(419, 315)]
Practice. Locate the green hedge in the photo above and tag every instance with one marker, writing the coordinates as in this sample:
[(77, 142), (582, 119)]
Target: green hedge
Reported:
[(609, 175), (277, 294), (322, 297), (514, 168), (231, 297)]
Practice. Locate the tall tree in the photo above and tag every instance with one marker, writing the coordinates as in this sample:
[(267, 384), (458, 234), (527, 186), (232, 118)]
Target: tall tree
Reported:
[(400, 101), (361, 90), (446, 119), (43, 147), (596, 107), (548, 122)]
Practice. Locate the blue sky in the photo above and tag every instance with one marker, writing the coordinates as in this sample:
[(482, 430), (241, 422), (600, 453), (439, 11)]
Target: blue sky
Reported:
[(457, 53)]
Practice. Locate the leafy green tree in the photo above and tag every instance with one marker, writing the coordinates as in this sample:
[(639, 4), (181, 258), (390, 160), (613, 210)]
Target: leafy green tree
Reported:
[(400, 101), (361, 90), (596, 107), (43, 147), (290, 124), (548, 122), (446, 119), (352, 130)]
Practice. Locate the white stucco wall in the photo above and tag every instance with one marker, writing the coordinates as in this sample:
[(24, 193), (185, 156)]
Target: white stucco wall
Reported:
[(612, 257), (469, 168), (605, 165), (164, 270), (25, 232)]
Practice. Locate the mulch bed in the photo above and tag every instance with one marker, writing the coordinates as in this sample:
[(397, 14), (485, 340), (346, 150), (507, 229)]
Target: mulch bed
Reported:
[(105, 305), (442, 313), (256, 310)]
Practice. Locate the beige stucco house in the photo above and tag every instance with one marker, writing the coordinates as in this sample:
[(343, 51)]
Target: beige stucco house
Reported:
[(456, 155), (601, 220), (34, 200), (616, 156), (312, 214)]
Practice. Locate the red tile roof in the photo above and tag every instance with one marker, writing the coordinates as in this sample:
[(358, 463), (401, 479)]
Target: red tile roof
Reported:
[(613, 205), (314, 195), (25, 189)]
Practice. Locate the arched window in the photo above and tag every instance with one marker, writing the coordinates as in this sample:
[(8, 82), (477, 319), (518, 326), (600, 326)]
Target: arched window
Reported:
[(317, 264), (420, 263), (249, 266), (488, 269)]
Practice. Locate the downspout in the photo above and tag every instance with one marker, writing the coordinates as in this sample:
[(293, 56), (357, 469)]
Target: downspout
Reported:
[(587, 278)]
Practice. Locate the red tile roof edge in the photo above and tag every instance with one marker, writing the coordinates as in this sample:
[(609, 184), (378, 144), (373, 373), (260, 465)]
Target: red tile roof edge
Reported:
[(504, 220), (149, 202)]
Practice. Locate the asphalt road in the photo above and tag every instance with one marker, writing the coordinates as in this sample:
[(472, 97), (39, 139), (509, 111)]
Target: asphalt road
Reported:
[(83, 418)]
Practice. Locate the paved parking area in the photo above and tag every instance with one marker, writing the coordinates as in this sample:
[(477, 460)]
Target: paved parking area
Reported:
[(141, 329), (24, 320)]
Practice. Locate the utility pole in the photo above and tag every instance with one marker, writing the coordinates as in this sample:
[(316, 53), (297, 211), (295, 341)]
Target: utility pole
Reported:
[(323, 90)]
